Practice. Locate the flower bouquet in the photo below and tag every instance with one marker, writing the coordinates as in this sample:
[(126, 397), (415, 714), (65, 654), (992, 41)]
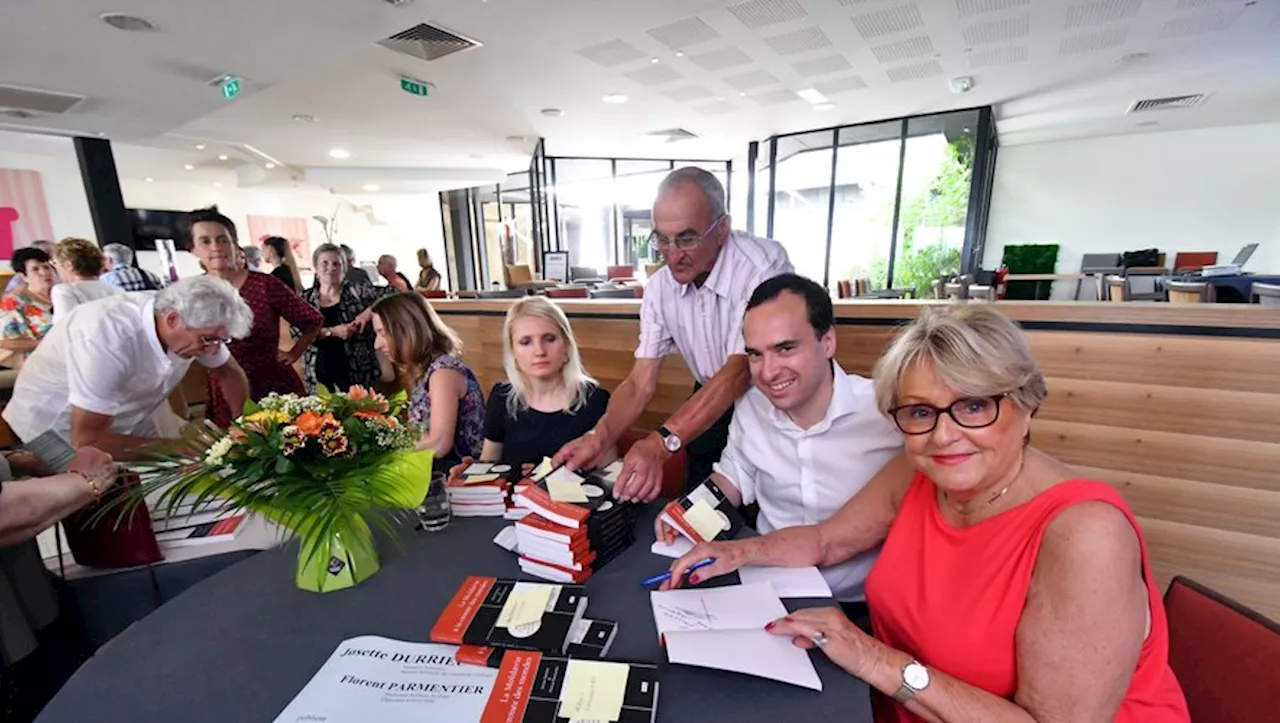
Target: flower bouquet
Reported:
[(324, 467)]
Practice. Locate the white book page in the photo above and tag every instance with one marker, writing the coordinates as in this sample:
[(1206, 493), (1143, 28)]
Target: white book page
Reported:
[(788, 582), (738, 607), (753, 652)]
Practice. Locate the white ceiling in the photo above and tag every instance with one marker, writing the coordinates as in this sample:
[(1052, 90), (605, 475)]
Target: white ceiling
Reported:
[(1052, 68)]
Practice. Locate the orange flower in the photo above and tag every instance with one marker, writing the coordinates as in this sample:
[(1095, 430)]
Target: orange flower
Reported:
[(367, 414), (310, 422), (359, 394)]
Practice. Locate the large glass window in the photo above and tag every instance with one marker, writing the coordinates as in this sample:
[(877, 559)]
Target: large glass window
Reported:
[(584, 202), (635, 187), (895, 211)]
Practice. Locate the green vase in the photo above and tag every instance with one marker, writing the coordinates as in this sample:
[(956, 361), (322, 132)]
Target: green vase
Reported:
[(338, 561)]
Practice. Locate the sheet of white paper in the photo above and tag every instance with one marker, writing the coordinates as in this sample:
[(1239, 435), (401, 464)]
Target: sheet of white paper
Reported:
[(373, 678), (507, 539), (679, 548), (753, 652), (788, 582), (477, 468), (738, 607)]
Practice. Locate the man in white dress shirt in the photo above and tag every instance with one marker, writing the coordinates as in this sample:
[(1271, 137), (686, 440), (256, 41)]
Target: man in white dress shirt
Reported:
[(808, 436), (694, 306), (101, 372)]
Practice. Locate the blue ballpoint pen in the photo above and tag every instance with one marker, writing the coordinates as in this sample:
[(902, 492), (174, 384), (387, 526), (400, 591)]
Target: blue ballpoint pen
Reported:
[(658, 579)]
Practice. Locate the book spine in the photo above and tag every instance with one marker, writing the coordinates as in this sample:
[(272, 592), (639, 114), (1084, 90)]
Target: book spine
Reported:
[(513, 688)]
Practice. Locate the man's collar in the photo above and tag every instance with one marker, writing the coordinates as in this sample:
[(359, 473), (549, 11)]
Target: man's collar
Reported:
[(842, 403), (153, 333)]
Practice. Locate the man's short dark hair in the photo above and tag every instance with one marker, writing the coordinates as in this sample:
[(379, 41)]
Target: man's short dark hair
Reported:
[(26, 254), (816, 299), (209, 215)]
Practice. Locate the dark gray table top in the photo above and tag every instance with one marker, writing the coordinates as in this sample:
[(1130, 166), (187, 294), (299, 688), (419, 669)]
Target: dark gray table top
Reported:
[(240, 645)]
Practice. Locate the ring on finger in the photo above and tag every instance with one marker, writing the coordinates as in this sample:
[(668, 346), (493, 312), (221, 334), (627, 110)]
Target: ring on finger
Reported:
[(819, 638)]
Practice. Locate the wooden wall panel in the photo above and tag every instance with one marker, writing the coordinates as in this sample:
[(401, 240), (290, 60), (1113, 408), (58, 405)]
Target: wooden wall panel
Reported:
[(1179, 409)]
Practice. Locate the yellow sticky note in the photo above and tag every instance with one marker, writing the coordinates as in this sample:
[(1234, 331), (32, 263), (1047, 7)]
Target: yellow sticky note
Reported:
[(566, 490), (526, 604), (542, 470), (704, 519), (610, 473), (593, 690), (478, 478)]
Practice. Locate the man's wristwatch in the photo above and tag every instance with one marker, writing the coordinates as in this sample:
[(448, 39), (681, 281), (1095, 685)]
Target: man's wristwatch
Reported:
[(915, 678), (670, 440)]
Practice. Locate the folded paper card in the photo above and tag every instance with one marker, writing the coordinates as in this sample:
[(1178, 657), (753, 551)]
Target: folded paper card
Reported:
[(681, 547), (565, 490), (525, 605), (543, 469), (704, 519), (610, 472), (475, 479), (477, 468)]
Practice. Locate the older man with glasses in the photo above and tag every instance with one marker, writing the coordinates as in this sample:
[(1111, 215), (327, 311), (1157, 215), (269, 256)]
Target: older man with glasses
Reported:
[(693, 305), (102, 372)]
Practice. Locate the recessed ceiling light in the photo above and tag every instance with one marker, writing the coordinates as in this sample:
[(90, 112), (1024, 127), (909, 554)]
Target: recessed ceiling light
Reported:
[(476, 156), (217, 185), (199, 146), (615, 98), (270, 166), (517, 139), (679, 53), (824, 106), (339, 153), (552, 112), (812, 95), (653, 60), (743, 94), (189, 167), (149, 179), (304, 118), (372, 187), (222, 156), (131, 23)]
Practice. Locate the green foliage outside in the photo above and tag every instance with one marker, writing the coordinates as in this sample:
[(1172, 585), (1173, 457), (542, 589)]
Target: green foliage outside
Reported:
[(944, 203)]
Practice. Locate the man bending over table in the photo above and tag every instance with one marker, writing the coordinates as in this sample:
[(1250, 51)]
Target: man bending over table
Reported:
[(102, 372), (807, 436)]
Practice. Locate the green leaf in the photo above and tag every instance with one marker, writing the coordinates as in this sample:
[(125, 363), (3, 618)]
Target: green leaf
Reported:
[(251, 407), (283, 465)]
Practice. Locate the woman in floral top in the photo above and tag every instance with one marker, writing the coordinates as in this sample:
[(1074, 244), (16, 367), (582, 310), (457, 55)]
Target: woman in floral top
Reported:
[(26, 313), (444, 395)]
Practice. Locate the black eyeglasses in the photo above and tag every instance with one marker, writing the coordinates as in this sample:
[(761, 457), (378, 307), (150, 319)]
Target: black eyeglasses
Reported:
[(684, 243), (970, 413)]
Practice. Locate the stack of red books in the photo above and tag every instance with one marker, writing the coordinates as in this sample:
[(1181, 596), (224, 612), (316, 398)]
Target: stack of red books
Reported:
[(567, 541)]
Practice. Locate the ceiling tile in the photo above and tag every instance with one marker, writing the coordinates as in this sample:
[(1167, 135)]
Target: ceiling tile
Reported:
[(915, 71), (1090, 42), (614, 52), (1102, 11), (684, 33), (689, 92), (720, 59), (998, 31), (822, 66), (970, 8), (852, 3), (799, 41), (903, 49), (753, 79), (889, 21), (759, 13), (717, 108), (1200, 24), (1193, 4), (654, 75), (840, 85), (775, 97), (1000, 55)]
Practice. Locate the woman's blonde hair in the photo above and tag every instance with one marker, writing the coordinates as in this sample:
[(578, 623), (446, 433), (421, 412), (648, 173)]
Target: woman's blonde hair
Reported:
[(973, 349), (81, 256), (577, 382), (415, 335)]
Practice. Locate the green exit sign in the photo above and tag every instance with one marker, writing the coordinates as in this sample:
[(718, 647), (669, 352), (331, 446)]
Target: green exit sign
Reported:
[(414, 87), (230, 88)]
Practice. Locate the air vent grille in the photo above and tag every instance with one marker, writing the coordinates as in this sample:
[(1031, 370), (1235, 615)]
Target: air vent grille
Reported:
[(428, 42), (1172, 102), (40, 102)]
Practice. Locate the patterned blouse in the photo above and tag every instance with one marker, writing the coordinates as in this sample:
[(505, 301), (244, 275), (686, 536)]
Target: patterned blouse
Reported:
[(363, 360), (22, 317), (468, 434)]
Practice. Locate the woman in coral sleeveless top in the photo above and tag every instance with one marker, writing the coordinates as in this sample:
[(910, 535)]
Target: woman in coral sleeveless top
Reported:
[(1007, 588)]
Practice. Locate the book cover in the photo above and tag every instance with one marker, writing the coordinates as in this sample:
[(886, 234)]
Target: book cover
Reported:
[(536, 688), (472, 617), (704, 514), (592, 638)]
